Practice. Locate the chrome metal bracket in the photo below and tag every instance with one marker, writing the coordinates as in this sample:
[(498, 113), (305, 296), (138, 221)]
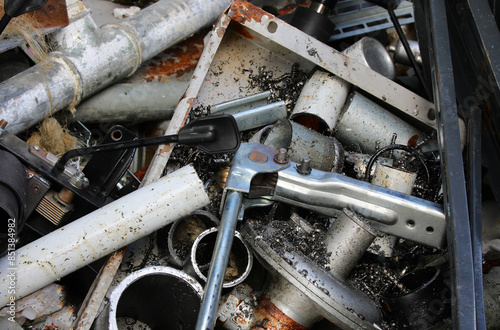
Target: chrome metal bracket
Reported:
[(390, 212)]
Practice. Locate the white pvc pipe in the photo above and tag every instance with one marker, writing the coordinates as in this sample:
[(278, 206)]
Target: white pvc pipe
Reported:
[(101, 232)]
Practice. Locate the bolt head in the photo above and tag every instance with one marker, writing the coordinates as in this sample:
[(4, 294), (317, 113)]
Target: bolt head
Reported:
[(79, 180), (305, 166), (281, 157)]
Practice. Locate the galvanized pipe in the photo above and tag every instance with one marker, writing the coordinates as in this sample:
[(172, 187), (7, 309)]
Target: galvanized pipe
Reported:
[(321, 99), (103, 231), (132, 102), (394, 178), (371, 53), (298, 310), (261, 116), (326, 153), (242, 104), (87, 58)]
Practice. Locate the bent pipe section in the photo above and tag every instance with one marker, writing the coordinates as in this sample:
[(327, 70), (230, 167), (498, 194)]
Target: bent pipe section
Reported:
[(89, 58), (101, 232)]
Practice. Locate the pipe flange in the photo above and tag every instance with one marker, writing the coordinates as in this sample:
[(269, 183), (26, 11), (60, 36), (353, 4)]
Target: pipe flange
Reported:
[(334, 299)]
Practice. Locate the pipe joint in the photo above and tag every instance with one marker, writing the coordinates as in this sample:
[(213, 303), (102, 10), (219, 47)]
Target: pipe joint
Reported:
[(135, 48)]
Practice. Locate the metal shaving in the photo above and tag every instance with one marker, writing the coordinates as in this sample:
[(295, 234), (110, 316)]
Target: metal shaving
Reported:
[(284, 88), (290, 237), (374, 276)]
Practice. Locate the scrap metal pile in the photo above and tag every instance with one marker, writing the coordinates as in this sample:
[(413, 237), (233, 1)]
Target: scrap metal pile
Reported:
[(296, 186)]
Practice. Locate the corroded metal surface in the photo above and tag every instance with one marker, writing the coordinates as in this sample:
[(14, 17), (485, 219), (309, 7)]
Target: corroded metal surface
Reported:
[(52, 14), (272, 318), (177, 62)]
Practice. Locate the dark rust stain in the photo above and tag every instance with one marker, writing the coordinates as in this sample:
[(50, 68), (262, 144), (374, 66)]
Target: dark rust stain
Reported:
[(242, 11), (270, 317), (242, 31), (176, 61), (311, 121), (290, 8), (412, 141), (53, 14)]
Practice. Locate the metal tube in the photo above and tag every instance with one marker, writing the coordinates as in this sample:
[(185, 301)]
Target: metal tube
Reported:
[(394, 178), (293, 309), (132, 102), (202, 250), (323, 96), (184, 232), (103, 231), (347, 240), (261, 116), (242, 104), (88, 59), (400, 55), (220, 258), (321, 101), (156, 297), (326, 153), (371, 53), (364, 125)]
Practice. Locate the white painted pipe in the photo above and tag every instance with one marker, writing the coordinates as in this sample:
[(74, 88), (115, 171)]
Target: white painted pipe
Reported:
[(101, 232), (371, 53), (322, 98), (364, 126), (395, 179)]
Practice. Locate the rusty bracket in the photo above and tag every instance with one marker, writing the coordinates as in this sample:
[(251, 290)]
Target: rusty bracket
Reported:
[(53, 14)]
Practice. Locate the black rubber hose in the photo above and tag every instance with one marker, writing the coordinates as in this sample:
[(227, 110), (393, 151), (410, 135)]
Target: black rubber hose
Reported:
[(395, 147)]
